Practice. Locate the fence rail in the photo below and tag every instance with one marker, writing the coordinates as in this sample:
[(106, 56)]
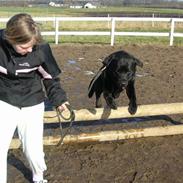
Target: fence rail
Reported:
[(86, 115), (57, 21)]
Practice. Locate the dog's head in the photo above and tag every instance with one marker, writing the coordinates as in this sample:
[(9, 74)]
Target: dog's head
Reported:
[(121, 67)]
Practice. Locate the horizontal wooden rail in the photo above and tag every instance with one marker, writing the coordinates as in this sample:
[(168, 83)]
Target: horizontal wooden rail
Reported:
[(121, 112), (109, 135)]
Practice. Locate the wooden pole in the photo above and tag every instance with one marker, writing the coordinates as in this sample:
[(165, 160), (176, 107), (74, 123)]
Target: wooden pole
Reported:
[(121, 112), (110, 135)]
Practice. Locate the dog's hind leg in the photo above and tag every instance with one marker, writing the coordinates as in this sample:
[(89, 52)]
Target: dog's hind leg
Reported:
[(130, 91), (98, 103)]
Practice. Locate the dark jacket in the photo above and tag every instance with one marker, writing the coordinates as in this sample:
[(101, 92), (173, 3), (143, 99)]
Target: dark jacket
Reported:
[(25, 78)]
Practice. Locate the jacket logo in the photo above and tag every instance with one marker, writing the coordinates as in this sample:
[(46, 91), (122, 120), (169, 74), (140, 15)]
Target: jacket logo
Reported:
[(26, 64)]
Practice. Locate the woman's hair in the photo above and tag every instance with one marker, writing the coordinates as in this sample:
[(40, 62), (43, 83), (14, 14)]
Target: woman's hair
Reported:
[(21, 29)]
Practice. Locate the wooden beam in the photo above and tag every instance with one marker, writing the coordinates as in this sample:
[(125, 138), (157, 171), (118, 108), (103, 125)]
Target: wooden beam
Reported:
[(121, 112), (110, 135)]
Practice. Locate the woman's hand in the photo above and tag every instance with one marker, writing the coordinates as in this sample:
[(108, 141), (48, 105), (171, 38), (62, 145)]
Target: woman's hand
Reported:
[(63, 107), (66, 111)]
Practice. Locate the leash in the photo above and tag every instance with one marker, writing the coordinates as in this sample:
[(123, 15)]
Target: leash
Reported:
[(71, 118)]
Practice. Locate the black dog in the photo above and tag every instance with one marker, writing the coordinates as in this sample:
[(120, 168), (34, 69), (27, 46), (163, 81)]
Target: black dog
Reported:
[(116, 74)]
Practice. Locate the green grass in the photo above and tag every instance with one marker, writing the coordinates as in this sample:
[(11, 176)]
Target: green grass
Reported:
[(122, 40)]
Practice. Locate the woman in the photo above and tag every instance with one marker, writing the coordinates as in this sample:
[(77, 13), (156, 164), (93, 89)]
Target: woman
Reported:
[(28, 73)]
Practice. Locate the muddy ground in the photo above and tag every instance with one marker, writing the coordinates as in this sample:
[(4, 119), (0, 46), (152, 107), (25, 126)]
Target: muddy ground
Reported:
[(145, 160)]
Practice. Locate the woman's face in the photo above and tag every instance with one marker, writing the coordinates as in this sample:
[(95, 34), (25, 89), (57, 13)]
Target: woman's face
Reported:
[(24, 48)]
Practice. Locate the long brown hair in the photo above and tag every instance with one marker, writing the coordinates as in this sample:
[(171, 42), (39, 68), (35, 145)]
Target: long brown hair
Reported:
[(21, 29)]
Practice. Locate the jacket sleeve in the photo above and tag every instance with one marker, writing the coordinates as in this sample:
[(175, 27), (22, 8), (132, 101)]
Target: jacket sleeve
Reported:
[(55, 93), (50, 71)]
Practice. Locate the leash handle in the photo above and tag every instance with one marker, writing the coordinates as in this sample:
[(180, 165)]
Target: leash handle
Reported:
[(71, 116)]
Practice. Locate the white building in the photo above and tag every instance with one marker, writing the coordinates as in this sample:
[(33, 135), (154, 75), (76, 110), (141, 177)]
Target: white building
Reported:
[(89, 5), (55, 4)]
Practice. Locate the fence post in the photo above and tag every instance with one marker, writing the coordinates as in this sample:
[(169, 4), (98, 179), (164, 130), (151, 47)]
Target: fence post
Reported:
[(112, 31), (108, 21), (54, 23), (56, 30), (172, 31), (153, 20)]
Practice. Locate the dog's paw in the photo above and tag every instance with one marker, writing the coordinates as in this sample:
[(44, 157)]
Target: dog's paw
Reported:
[(98, 105), (132, 109), (110, 102), (112, 105)]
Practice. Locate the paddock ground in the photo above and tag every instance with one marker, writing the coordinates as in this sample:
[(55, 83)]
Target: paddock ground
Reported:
[(146, 160)]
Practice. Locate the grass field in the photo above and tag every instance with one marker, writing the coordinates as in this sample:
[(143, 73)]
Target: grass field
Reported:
[(101, 26), (56, 11)]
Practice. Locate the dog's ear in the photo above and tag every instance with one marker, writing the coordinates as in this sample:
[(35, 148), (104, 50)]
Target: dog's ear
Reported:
[(138, 62), (108, 60)]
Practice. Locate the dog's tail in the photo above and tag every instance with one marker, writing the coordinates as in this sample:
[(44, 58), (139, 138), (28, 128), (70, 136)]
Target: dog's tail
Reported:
[(91, 88), (108, 60)]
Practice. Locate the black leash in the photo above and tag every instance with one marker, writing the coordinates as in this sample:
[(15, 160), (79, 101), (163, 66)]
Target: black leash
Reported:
[(71, 118)]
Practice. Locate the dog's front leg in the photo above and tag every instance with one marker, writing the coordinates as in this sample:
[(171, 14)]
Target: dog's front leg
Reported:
[(130, 91), (110, 100)]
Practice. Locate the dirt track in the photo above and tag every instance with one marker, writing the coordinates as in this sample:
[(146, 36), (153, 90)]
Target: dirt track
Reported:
[(150, 160)]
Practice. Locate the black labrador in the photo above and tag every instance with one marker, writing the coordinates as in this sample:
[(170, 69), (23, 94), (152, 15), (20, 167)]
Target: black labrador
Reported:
[(116, 75)]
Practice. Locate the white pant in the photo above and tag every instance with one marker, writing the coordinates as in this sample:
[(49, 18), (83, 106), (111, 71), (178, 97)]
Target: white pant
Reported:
[(29, 122)]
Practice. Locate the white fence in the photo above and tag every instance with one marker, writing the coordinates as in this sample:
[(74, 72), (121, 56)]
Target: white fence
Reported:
[(57, 21)]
